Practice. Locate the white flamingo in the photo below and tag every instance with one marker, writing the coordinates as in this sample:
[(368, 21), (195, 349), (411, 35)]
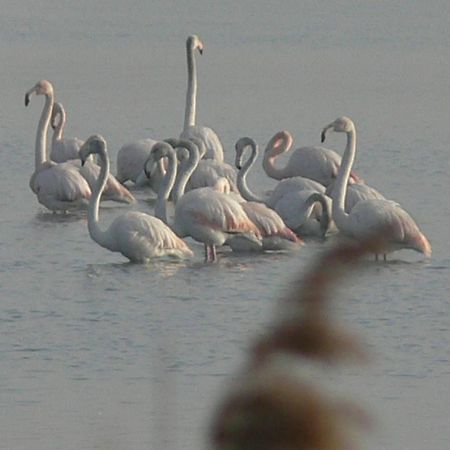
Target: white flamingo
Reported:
[(136, 235), (274, 232), (282, 188), (214, 149), (59, 187), (131, 159), (62, 148), (289, 198), (306, 212), (67, 150), (318, 163), (206, 214), (369, 216)]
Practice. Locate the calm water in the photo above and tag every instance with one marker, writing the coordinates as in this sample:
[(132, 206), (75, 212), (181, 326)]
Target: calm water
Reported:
[(97, 353)]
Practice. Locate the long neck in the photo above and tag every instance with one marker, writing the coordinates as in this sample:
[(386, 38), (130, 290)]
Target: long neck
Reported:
[(40, 155), (273, 149), (325, 218), (340, 185), (242, 177), (58, 133), (191, 94), (165, 187), (189, 167), (99, 236)]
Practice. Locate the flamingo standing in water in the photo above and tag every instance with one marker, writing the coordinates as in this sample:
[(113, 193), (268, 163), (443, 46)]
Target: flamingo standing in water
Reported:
[(370, 216), (136, 235), (299, 202), (67, 150), (318, 163), (206, 214), (59, 187), (214, 149)]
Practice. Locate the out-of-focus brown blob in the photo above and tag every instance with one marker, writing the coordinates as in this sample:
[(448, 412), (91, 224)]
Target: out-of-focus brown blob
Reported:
[(273, 410)]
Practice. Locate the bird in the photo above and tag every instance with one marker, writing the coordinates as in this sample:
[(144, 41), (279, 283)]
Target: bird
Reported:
[(318, 163), (214, 148), (131, 159), (206, 214), (208, 171), (67, 150), (289, 197), (284, 186), (62, 148), (136, 235), (373, 215), (306, 212), (58, 186)]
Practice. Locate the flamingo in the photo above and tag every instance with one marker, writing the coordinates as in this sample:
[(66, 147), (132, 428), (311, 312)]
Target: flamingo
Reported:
[(318, 163), (289, 198), (214, 149), (284, 186), (113, 191), (368, 216), (306, 212), (206, 214), (131, 159), (62, 149), (59, 187), (138, 236)]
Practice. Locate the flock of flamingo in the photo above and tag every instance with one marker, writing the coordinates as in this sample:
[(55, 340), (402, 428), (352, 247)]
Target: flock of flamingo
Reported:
[(317, 193)]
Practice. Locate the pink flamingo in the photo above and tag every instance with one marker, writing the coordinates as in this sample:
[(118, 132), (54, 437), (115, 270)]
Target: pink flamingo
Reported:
[(368, 216)]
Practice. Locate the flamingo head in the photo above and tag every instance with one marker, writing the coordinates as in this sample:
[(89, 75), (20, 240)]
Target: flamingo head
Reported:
[(341, 125), (281, 142), (240, 147), (193, 42), (161, 149), (95, 144), (42, 87)]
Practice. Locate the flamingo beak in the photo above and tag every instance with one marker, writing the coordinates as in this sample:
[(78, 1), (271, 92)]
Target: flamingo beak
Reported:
[(27, 99), (324, 133)]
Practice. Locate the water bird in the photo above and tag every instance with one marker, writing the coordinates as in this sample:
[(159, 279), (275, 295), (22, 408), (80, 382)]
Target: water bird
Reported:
[(214, 148), (138, 236), (367, 216)]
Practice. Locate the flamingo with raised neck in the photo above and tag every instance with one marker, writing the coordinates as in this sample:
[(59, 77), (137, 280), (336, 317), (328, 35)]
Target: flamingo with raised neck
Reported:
[(136, 235), (214, 149), (368, 216)]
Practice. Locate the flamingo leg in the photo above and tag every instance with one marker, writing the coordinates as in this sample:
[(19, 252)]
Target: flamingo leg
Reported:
[(213, 253), (206, 253)]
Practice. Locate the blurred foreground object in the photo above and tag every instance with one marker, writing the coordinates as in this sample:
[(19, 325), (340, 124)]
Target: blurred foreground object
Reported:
[(273, 406)]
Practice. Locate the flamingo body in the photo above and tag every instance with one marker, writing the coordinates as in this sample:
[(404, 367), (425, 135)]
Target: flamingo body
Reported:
[(374, 215), (136, 235)]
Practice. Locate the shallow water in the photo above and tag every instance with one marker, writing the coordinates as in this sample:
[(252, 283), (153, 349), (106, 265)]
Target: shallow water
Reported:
[(98, 353)]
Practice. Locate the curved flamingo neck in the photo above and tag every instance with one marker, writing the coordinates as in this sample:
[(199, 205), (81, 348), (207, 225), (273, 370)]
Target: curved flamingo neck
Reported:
[(40, 155), (280, 143), (58, 132), (242, 175), (191, 94), (340, 186), (325, 218), (166, 186), (187, 170), (101, 237)]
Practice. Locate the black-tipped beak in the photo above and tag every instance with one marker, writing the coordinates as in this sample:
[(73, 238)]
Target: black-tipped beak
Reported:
[(201, 50), (323, 136), (238, 166), (27, 99), (82, 162)]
